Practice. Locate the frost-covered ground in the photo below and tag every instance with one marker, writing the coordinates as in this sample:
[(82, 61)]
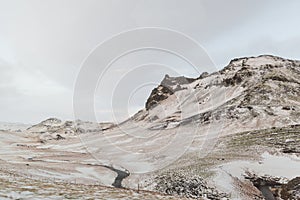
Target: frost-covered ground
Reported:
[(216, 128), (61, 161), (16, 187)]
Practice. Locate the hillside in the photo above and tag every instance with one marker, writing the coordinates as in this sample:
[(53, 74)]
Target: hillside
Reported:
[(217, 136), (249, 93)]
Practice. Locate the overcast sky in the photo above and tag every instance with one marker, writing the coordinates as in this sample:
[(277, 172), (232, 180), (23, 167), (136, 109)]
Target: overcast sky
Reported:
[(44, 43)]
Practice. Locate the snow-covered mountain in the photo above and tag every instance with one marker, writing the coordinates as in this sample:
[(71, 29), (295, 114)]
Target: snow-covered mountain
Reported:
[(57, 129), (249, 93)]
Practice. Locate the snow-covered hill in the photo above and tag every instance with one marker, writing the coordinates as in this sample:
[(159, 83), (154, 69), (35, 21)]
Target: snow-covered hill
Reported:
[(249, 93), (57, 129)]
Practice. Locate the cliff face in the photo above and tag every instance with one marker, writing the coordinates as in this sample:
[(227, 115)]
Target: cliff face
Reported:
[(168, 86)]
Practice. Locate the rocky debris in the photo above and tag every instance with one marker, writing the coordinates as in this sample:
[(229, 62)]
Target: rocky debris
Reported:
[(186, 186), (275, 187)]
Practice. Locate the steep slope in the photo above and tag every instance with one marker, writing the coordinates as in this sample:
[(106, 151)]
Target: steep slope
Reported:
[(255, 92)]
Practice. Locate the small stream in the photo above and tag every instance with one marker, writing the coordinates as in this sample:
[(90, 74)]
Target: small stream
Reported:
[(120, 176), (266, 192)]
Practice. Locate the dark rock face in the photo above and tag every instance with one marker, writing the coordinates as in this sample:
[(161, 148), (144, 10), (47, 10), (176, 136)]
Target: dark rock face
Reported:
[(168, 86), (59, 137), (239, 76), (157, 95)]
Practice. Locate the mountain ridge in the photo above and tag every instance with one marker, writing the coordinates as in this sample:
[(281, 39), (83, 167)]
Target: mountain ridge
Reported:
[(251, 85)]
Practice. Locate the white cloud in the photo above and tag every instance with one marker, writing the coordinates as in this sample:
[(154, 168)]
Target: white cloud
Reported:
[(28, 82), (35, 83)]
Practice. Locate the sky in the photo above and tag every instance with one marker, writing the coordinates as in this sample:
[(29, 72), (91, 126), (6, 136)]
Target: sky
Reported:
[(44, 44)]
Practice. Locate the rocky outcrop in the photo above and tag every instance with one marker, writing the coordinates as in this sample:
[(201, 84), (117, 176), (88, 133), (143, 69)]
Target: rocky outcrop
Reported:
[(275, 187), (291, 190), (157, 95), (238, 77), (167, 87), (174, 81)]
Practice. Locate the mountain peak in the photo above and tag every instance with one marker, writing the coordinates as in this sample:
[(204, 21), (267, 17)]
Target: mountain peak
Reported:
[(167, 87)]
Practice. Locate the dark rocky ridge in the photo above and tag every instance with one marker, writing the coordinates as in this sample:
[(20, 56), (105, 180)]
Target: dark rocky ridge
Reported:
[(167, 87), (157, 95)]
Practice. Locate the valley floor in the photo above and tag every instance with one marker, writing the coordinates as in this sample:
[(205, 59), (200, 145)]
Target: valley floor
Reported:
[(62, 170), (13, 186)]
